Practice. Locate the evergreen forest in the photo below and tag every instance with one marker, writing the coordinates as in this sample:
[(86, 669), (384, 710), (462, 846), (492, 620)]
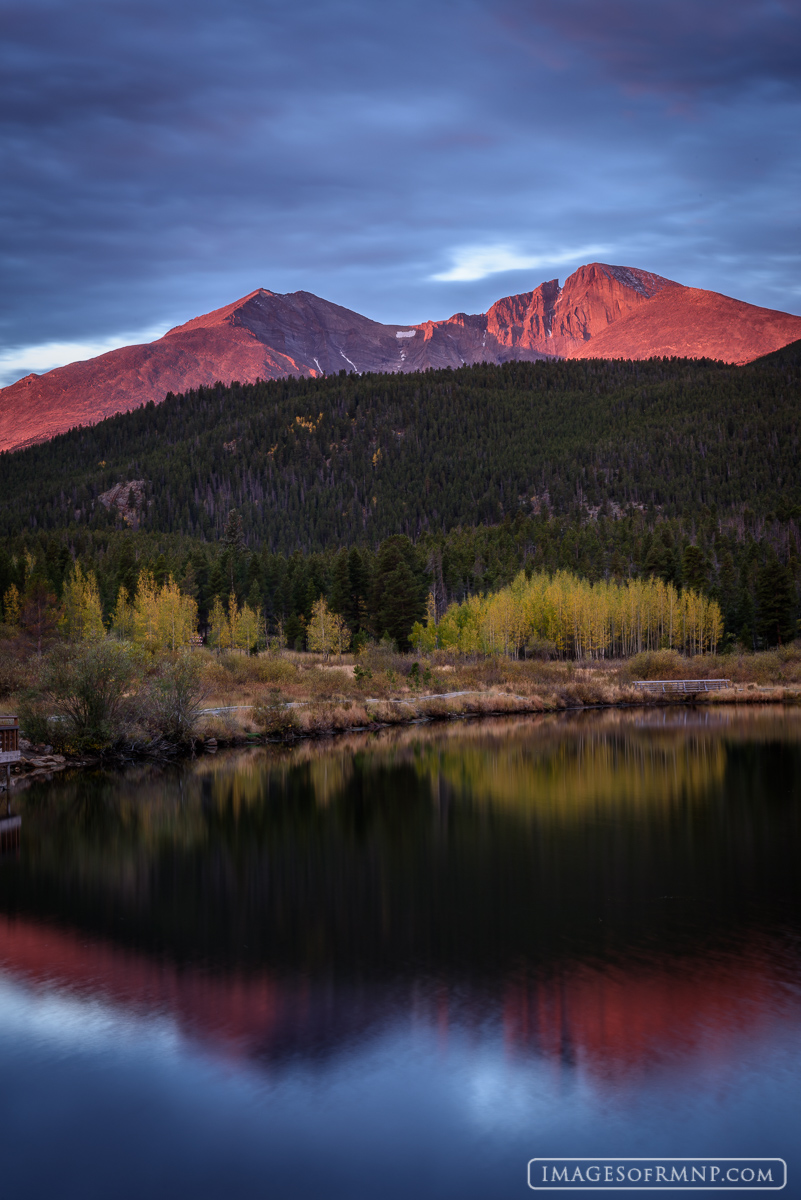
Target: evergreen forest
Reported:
[(375, 490)]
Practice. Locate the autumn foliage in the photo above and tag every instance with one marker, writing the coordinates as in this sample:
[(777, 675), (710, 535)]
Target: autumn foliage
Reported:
[(564, 616)]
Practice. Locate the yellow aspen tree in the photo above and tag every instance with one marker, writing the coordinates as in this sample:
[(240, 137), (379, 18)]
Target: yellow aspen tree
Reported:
[(12, 606), (234, 621), (319, 633), (219, 629), (175, 617), (122, 619), (248, 628), (145, 611), (81, 610), (715, 626), (340, 635), (584, 620), (449, 628)]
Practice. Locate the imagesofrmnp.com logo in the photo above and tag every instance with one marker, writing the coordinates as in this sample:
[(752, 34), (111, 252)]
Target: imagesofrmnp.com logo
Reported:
[(657, 1174)]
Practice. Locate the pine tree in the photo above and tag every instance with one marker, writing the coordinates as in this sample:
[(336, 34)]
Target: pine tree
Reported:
[(233, 540), (360, 587), (727, 588), (160, 569), (39, 615), (694, 568), (216, 588), (776, 602), (399, 590), (341, 598)]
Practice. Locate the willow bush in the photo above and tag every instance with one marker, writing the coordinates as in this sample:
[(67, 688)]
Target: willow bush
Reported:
[(580, 620)]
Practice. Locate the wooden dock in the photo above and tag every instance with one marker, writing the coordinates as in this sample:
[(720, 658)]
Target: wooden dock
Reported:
[(9, 747), (682, 687)]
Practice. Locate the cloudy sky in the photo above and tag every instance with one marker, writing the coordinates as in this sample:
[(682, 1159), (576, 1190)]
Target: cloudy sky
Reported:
[(161, 158)]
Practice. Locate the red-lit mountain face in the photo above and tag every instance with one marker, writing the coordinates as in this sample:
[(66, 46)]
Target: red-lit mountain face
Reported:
[(602, 311)]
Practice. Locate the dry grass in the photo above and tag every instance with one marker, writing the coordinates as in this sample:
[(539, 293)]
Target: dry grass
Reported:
[(328, 696), (316, 718)]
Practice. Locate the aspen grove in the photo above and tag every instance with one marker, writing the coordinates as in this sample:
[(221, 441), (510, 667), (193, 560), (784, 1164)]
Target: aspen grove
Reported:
[(568, 617)]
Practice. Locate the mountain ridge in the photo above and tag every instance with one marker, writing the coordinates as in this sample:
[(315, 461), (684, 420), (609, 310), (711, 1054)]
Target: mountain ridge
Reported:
[(602, 310)]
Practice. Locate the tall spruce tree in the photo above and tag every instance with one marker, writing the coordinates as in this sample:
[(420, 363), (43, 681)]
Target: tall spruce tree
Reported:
[(400, 587), (233, 539), (341, 597), (776, 621)]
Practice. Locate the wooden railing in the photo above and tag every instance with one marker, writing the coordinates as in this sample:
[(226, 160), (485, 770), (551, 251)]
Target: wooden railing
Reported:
[(9, 733), (682, 687)]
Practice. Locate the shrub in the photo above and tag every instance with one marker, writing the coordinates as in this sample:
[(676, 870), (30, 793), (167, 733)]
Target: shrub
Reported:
[(84, 701), (657, 664), (263, 668), (36, 723), (274, 717), (173, 702), (13, 675)]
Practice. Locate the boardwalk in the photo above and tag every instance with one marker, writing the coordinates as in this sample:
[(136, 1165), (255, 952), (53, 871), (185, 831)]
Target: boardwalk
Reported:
[(682, 687)]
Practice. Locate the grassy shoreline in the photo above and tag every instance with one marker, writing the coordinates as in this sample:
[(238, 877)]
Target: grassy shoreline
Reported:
[(333, 720), (379, 690), (287, 696)]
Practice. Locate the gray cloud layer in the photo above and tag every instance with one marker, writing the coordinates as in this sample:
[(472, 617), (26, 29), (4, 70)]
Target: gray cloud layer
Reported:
[(406, 160)]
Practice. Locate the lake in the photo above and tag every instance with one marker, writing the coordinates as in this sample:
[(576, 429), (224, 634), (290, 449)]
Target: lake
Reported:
[(405, 963)]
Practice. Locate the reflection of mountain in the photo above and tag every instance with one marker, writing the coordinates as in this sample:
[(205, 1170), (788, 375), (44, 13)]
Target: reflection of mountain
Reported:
[(468, 849), (590, 886), (631, 1017), (608, 1022), (255, 1015)]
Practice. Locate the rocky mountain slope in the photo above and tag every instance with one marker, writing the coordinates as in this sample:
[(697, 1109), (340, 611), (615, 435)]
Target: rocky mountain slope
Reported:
[(601, 311)]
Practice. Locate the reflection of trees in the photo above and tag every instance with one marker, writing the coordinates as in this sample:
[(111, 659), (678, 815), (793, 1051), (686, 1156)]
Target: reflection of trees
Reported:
[(471, 846), (563, 778)]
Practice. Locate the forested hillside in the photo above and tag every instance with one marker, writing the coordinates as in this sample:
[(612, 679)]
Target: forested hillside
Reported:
[(282, 492), (751, 566), (351, 460)]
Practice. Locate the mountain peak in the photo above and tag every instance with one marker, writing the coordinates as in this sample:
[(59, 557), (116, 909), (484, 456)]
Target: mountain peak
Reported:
[(644, 282), (218, 315), (601, 311)]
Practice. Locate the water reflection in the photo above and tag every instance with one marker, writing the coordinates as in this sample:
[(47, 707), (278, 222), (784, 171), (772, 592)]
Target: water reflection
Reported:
[(610, 899)]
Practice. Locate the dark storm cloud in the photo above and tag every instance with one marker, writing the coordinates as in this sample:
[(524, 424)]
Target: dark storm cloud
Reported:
[(682, 48), (407, 160)]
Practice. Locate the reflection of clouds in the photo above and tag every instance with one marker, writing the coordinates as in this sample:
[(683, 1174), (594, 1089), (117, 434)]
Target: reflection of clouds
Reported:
[(526, 1037), (505, 1093), (53, 1019)]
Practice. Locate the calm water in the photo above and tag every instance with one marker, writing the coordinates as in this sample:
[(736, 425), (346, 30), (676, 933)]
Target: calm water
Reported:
[(404, 965)]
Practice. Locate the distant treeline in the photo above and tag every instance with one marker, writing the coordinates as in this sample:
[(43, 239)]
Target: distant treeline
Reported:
[(751, 566), (352, 460)]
